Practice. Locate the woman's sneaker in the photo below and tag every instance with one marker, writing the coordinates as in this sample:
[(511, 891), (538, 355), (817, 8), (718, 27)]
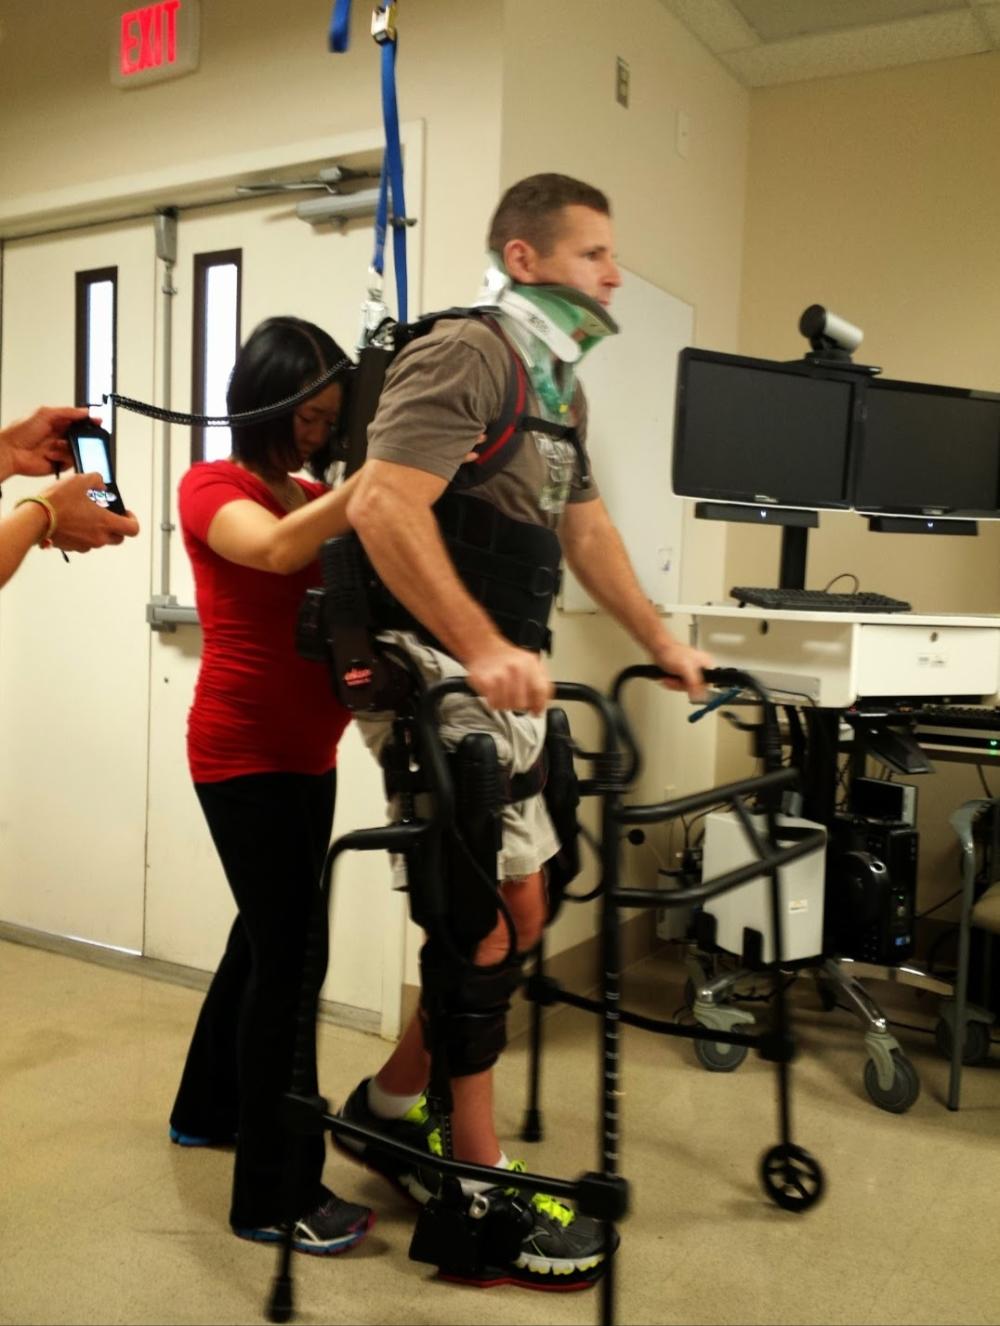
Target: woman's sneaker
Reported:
[(561, 1250), (333, 1227), (194, 1139), (417, 1128)]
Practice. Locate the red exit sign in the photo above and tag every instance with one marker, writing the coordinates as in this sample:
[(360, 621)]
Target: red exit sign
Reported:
[(155, 42)]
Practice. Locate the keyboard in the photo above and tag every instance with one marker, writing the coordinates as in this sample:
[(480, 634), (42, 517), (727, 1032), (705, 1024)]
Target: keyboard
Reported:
[(958, 715), (816, 600)]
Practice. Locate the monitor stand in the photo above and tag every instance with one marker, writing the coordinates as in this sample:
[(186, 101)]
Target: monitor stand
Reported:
[(794, 546)]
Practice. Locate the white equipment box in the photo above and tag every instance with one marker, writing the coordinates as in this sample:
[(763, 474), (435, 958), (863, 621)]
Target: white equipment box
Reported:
[(800, 885)]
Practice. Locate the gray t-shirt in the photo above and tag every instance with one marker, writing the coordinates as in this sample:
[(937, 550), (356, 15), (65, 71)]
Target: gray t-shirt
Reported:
[(439, 395)]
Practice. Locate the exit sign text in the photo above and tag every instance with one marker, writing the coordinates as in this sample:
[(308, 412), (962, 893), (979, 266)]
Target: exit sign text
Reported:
[(155, 42)]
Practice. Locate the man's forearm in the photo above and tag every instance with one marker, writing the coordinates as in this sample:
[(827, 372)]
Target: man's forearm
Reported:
[(406, 549)]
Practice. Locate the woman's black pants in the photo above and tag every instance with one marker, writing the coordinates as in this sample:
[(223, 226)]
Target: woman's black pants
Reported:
[(271, 831)]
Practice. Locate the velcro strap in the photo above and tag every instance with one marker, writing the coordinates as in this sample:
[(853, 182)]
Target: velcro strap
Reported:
[(518, 787)]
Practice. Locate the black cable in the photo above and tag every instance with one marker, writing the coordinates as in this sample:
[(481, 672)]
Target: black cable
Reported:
[(938, 905), (982, 779), (226, 420), (844, 575)]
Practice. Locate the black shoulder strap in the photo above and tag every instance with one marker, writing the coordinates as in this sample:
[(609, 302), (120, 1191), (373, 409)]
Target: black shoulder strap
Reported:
[(505, 434)]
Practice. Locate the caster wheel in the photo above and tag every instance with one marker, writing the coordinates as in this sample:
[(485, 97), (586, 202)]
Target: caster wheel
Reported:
[(976, 1049), (719, 1058), (902, 1093), (791, 1177)]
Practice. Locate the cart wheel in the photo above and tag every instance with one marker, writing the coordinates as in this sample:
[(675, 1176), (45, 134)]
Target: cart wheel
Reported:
[(718, 1057), (905, 1086), (792, 1178), (976, 1049)]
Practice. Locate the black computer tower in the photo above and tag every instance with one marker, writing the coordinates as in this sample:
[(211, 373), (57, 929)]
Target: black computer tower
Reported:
[(871, 890)]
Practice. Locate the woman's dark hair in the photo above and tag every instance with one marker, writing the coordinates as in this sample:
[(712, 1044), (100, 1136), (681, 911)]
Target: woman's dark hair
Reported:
[(279, 358)]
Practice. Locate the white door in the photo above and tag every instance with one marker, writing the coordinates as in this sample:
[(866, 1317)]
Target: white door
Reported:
[(74, 645), (287, 267), (101, 836)]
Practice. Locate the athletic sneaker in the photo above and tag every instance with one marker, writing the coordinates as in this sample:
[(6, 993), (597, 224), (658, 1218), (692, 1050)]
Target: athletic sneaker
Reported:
[(417, 1128), (333, 1227), (563, 1249)]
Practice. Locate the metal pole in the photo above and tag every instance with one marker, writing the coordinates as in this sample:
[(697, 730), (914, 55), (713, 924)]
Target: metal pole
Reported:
[(166, 251)]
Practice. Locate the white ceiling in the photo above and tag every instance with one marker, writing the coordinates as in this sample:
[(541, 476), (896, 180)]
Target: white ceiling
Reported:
[(764, 42)]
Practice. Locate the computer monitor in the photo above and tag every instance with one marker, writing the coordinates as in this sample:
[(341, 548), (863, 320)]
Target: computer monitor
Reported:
[(762, 433), (926, 450)]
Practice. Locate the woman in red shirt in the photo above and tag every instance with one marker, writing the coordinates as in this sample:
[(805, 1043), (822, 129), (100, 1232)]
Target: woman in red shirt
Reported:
[(262, 747)]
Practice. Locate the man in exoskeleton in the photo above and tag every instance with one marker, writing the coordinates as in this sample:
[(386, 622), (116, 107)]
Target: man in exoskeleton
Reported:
[(427, 515)]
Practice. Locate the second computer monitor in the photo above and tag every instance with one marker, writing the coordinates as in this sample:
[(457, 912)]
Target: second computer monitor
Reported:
[(928, 450)]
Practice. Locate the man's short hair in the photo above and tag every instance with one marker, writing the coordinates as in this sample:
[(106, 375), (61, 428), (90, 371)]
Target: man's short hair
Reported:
[(530, 209)]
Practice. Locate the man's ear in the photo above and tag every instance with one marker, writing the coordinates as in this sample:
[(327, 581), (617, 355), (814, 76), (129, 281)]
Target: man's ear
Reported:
[(520, 259)]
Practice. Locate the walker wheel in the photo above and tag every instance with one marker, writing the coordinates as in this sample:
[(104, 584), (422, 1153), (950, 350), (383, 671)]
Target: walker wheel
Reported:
[(791, 1177)]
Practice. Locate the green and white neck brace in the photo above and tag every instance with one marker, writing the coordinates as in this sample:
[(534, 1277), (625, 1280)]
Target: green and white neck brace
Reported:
[(553, 327)]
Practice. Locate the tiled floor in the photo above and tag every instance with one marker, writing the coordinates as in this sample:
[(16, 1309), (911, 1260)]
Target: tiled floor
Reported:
[(102, 1220)]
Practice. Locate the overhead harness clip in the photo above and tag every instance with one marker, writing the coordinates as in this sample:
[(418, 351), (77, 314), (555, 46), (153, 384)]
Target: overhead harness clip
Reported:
[(384, 23)]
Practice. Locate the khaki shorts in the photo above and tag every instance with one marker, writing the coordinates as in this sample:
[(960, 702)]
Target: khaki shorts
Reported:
[(528, 837)]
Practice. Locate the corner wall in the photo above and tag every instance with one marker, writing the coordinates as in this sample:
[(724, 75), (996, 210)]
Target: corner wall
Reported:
[(879, 196)]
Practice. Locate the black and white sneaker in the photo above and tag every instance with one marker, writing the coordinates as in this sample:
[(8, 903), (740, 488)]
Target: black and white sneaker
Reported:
[(562, 1250), (333, 1227), (417, 1128)]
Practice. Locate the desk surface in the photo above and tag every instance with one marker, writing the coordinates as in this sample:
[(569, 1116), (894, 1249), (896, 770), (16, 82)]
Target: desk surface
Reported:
[(835, 658), (859, 618)]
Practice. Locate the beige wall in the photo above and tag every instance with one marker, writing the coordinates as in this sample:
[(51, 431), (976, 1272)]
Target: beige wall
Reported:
[(879, 196), (504, 89), (265, 80)]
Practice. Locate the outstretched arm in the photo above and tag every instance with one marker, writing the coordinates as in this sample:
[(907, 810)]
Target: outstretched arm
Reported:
[(79, 523), (245, 533)]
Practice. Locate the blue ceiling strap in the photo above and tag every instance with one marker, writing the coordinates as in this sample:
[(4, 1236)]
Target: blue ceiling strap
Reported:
[(392, 170), (340, 23), (391, 184)]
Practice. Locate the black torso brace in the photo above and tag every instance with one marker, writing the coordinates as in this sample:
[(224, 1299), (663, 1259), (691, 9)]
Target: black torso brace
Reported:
[(510, 567)]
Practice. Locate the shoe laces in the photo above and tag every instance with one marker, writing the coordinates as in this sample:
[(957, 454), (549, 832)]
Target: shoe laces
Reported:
[(420, 1114), (542, 1201)]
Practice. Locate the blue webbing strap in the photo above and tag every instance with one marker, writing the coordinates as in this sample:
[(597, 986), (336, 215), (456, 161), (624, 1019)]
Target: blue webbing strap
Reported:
[(391, 183), (392, 167), (340, 24)]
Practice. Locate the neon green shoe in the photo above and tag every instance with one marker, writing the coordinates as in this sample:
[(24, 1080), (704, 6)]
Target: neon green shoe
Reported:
[(562, 1250)]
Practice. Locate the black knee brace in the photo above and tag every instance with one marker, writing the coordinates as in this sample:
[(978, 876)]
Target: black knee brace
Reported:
[(465, 1009)]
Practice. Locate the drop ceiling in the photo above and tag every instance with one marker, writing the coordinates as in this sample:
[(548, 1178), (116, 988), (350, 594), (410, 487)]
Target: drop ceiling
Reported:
[(765, 42)]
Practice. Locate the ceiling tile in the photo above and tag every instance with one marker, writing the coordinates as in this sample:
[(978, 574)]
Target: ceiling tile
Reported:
[(934, 37), (714, 22), (989, 16), (777, 20)]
